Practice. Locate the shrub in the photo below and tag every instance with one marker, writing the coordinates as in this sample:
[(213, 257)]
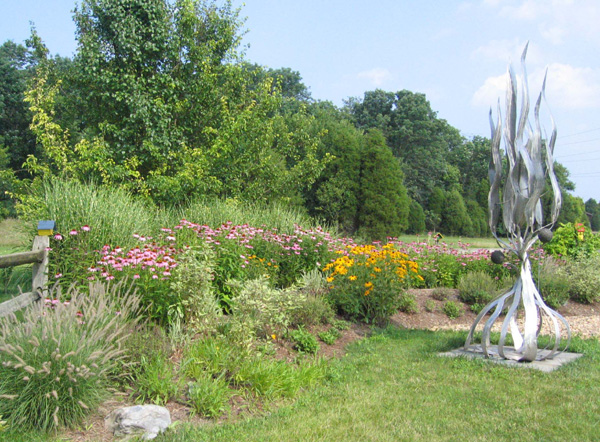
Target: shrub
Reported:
[(476, 287), (430, 306), (340, 324), (209, 396), (259, 310), (442, 293), (192, 280), (330, 336), (553, 283), (584, 279), (365, 284), (57, 362), (452, 309), (408, 303), (573, 240), (304, 341)]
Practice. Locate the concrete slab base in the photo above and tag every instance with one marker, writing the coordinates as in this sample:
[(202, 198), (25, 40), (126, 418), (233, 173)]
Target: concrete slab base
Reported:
[(513, 357)]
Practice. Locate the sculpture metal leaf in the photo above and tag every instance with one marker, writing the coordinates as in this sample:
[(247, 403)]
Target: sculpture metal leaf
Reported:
[(529, 163)]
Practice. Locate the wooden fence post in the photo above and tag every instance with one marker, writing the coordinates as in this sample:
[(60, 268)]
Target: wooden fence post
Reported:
[(40, 269)]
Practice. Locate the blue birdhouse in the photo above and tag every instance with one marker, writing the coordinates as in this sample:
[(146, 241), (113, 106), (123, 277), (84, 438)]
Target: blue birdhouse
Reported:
[(46, 228)]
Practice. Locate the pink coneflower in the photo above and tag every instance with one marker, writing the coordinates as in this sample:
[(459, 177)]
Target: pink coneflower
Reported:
[(58, 237), (58, 275), (85, 228), (73, 232), (136, 276)]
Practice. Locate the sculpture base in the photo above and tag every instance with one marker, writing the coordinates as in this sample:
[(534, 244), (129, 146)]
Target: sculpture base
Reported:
[(546, 365)]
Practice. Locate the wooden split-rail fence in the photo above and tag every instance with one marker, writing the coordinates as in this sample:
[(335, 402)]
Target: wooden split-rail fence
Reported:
[(39, 258)]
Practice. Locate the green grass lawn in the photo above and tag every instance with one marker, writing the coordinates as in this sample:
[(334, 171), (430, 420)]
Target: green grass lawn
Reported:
[(13, 240), (394, 387), (452, 241)]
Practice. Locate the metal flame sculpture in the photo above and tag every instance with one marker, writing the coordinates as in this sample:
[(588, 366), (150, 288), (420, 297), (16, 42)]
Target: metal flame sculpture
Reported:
[(529, 163)]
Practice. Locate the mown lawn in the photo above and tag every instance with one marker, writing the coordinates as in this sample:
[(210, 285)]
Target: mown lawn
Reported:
[(394, 387), (12, 240)]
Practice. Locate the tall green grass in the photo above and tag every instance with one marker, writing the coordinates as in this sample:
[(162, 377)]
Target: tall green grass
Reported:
[(112, 214), (214, 212)]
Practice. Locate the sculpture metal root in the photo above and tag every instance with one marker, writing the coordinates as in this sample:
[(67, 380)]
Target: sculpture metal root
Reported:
[(536, 311)]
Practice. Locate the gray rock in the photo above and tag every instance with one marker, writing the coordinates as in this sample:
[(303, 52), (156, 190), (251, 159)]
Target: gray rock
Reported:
[(147, 419)]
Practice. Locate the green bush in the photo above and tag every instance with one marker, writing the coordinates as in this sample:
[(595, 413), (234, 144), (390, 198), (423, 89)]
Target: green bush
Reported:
[(553, 283), (442, 293), (476, 287), (340, 324), (430, 305), (584, 279), (573, 240), (259, 310), (209, 396), (407, 303), (330, 336), (197, 304), (452, 309), (57, 363), (304, 341), (365, 284)]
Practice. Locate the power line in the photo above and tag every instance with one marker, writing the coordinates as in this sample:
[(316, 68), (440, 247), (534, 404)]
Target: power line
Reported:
[(579, 142), (577, 154), (579, 133)]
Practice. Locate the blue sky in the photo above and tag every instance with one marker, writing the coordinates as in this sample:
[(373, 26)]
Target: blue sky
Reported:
[(456, 52)]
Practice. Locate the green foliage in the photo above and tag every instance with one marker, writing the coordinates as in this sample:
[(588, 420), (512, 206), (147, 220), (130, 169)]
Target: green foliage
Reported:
[(155, 380), (366, 285), (592, 209), (476, 287), (57, 362), (209, 396), (416, 218), (3, 425), (455, 218), (430, 305), (304, 341), (573, 240), (452, 309), (259, 310), (407, 303), (330, 336), (442, 293), (553, 282), (584, 279), (383, 202), (340, 324), (192, 281)]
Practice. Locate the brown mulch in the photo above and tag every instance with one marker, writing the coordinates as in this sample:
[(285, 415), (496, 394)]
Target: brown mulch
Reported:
[(584, 321)]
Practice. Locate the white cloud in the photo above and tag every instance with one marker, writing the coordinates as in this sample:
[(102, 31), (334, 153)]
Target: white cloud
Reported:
[(572, 87), (489, 92), (376, 76), (567, 88), (557, 20), (503, 50)]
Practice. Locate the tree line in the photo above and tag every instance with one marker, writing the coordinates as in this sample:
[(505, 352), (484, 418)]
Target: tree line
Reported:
[(159, 101)]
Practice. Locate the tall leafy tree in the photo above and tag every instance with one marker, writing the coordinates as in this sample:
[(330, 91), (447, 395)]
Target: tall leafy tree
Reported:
[(17, 64), (414, 134), (592, 209)]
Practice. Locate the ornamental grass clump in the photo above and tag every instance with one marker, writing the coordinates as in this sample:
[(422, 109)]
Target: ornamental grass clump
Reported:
[(58, 361), (366, 281)]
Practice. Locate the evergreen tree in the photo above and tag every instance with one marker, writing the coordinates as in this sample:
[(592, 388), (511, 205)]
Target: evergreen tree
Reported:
[(384, 203), (416, 218)]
